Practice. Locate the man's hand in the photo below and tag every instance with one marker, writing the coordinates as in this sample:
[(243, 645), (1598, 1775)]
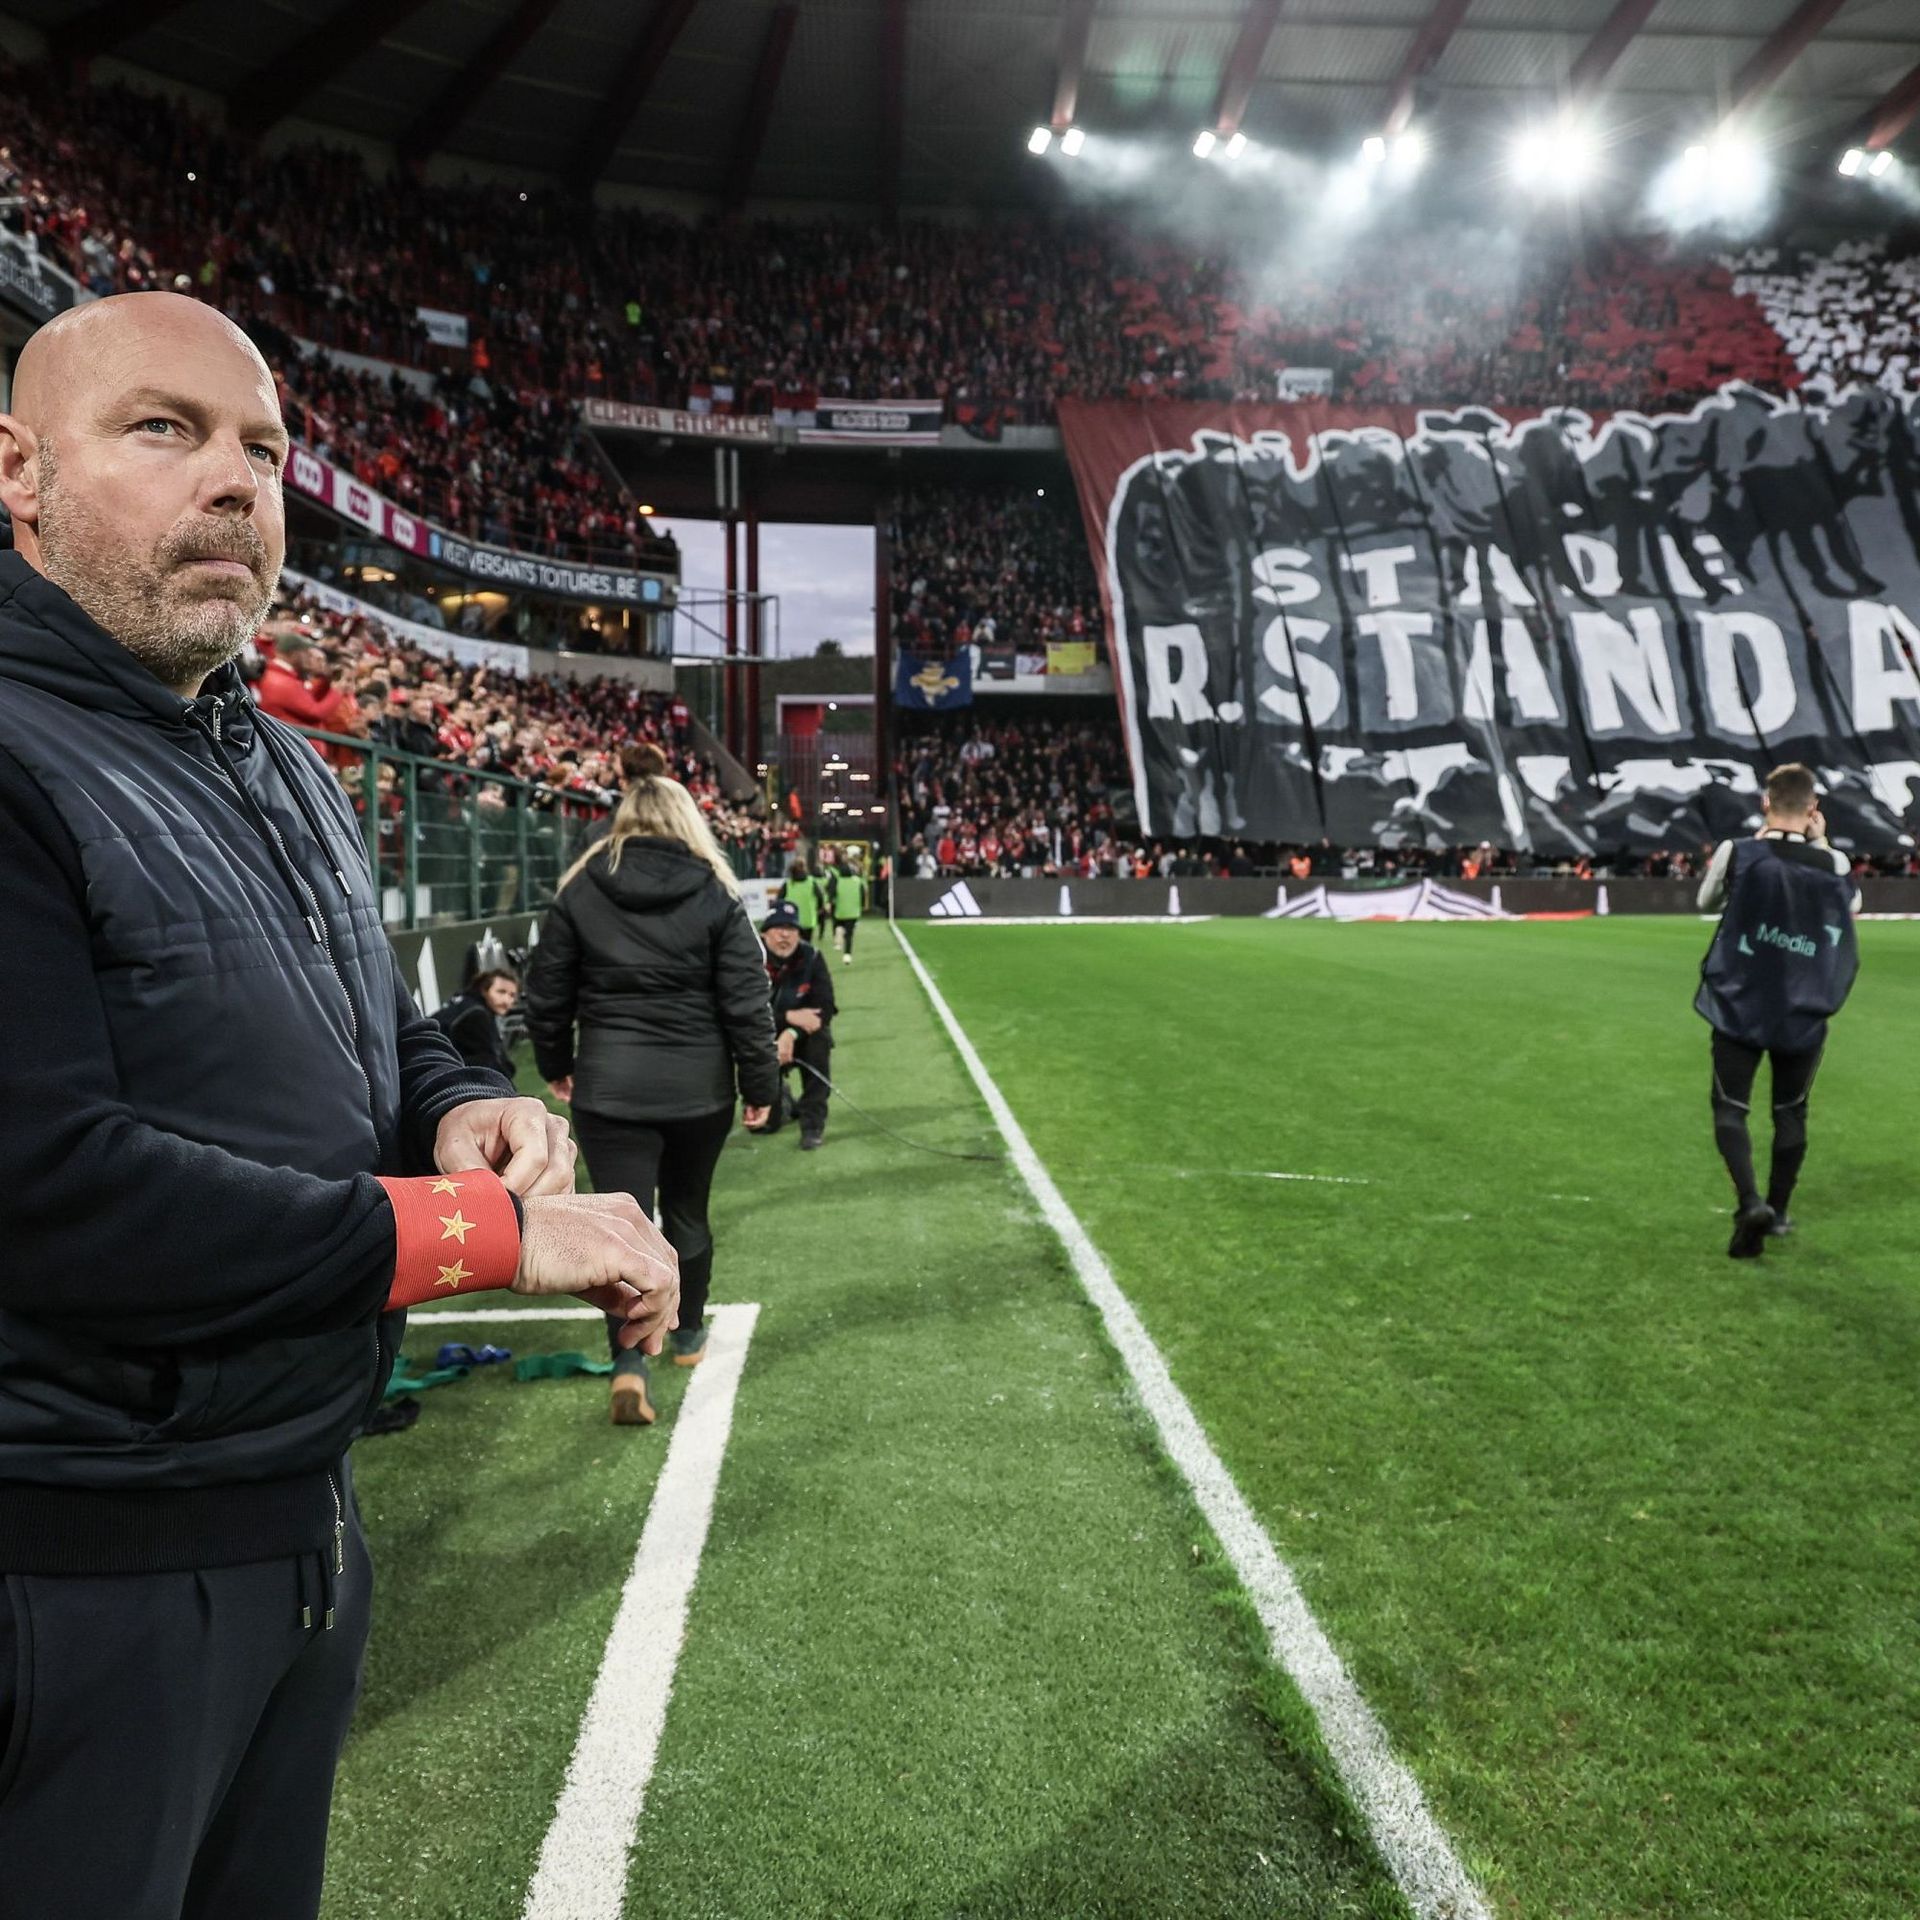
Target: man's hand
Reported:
[(529, 1148), (562, 1089), (805, 1019), (601, 1247), (753, 1118), (785, 1048)]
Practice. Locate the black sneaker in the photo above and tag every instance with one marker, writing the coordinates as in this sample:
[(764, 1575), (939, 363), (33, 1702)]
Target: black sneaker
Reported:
[(1751, 1225), (1783, 1224), (810, 1138)]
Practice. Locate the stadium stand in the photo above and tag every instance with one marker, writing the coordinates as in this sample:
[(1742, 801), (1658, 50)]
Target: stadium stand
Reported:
[(1847, 317), (563, 736), (752, 315), (1004, 572)]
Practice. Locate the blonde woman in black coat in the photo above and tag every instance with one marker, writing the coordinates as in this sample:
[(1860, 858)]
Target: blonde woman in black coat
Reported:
[(648, 957)]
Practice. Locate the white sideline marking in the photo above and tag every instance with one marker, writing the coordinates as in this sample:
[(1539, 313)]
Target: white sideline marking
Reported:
[(582, 1873), (517, 1313), (1416, 1852), (506, 1313), (1083, 920)]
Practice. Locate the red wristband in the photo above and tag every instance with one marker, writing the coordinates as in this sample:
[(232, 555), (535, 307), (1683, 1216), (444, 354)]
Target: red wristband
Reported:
[(453, 1233)]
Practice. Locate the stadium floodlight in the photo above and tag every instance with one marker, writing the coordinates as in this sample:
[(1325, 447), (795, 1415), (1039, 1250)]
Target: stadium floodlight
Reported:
[(1040, 139), (1204, 143), (1852, 161), (1562, 156), (1880, 162), (1373, 149), (1236, 146), (1072, 141), (1409, 153), (1696, 155)]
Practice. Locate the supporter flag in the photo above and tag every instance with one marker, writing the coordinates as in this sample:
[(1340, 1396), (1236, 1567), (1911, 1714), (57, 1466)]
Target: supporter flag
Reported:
[(982, 423), (933, 683), (1562, 634), (1070, 656)]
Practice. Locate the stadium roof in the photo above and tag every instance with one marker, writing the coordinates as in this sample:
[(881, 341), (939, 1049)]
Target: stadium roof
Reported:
[(929, 102)]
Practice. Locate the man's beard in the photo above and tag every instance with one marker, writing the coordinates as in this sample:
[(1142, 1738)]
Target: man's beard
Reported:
[(144, 601)]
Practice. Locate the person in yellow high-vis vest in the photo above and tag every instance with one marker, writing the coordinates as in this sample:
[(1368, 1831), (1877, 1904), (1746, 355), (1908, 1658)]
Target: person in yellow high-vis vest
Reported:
[(847, 895), (809, 899)]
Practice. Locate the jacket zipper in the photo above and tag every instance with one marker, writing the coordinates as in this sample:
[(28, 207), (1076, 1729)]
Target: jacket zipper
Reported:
[(316, 920)]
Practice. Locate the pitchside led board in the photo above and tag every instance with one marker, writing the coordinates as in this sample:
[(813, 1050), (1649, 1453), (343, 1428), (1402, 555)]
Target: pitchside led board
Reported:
[(1556, 633)]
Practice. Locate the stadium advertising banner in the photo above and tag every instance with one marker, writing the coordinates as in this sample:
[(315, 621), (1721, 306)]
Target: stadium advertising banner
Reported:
[(619, 416), (32, 285), (887, 423), (1554, 633), (353, 500), (500, 567)]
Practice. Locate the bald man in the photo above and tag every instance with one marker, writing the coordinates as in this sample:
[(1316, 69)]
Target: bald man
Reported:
[(234, 1154)]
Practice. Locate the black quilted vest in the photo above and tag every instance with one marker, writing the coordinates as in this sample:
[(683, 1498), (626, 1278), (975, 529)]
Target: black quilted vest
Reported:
[(249, 989)]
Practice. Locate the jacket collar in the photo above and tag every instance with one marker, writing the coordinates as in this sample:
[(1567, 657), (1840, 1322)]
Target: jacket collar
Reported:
[(47, 640)]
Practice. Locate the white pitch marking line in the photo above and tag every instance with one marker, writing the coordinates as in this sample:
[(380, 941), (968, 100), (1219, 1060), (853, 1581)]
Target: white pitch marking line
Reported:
[(1417, 1853), (582, 1873), (506, 1313), (518, 1313)]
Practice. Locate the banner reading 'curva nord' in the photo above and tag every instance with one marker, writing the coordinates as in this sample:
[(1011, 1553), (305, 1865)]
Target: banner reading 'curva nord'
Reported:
[(1556, 634)]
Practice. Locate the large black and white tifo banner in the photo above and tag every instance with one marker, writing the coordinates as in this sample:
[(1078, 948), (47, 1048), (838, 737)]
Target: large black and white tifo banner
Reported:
[(1552, 633)]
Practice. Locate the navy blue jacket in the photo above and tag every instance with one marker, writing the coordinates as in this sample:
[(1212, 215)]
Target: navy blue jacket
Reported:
[(210, 1054)]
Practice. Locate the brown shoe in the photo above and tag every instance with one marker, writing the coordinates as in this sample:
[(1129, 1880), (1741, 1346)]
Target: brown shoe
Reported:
[(689, 1349), (632, 1405)]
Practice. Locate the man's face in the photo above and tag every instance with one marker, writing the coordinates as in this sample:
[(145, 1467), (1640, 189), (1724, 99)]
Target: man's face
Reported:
[(421, 709), (154, 496), (781, 941)]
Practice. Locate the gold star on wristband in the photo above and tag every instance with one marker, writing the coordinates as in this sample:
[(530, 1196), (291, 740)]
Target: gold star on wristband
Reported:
[(453, 1275), (446, 1186), (458, 1227)]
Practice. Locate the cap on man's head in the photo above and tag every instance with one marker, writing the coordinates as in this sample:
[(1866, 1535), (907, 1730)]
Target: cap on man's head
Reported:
[(783, 913)]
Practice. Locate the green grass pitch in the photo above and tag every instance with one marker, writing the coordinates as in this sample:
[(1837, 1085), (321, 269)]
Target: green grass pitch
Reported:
[(1617, 1535)]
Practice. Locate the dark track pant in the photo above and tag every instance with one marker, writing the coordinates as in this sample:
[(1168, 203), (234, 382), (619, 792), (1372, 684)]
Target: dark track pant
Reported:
[(846, 934), (668, 1164), (1735, 1068), (168, 1740), (813, 1068)]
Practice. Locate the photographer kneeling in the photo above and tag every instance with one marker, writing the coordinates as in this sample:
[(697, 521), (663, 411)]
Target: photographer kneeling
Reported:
[(803, 1010)]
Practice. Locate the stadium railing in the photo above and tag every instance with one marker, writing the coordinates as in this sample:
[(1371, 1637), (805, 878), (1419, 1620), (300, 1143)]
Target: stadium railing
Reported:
[(449, 843)]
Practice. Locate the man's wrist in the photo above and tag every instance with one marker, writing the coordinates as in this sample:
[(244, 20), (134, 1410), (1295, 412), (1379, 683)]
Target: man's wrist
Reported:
[(453, 1233)]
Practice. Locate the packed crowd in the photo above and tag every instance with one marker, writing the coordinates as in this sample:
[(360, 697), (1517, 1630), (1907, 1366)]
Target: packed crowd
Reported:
[(1001, 573), (563, 299), (346, 674), (433, 444), (128, 193), (1029, 795), (1848, 317)]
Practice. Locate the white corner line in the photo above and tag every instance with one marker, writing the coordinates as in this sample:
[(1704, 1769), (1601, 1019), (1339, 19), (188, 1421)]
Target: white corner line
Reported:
[(1409, 1839), (582, 1874)]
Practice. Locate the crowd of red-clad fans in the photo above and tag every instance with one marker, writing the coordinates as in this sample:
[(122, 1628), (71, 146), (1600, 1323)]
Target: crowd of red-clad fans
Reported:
[(998, 320), (127, 193), (1003, 573), (1048, 797), (435, 446), (346, 674)]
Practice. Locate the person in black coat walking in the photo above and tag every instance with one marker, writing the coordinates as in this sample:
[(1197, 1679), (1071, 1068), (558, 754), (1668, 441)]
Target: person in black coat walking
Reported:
[(648, 952), (801, 990)]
